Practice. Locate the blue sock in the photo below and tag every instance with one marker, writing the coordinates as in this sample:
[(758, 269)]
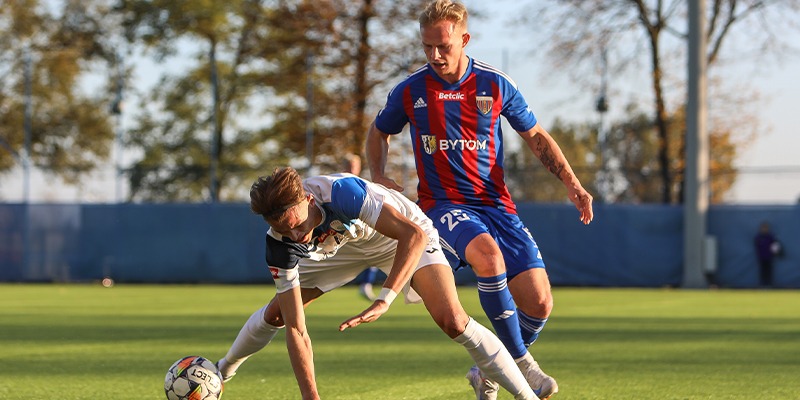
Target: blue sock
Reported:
[(499, 306), (369, 276), (530, 327)]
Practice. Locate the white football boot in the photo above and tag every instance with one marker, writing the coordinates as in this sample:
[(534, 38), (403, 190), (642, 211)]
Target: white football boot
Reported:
[(225, 379), (485, 388), (542, 384)]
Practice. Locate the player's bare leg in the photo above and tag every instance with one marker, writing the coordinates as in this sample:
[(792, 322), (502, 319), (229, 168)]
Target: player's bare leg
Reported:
[(436, 285)]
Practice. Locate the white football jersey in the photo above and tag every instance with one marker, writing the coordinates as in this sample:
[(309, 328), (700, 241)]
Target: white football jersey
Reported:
[(350, 207)]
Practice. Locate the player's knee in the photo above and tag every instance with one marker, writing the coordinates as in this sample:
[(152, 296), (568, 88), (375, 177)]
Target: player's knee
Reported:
[(453, 324), (272, 315), (537, 306), (488, 264)]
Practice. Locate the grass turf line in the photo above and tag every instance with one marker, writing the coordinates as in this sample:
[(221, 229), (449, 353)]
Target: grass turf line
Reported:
[(90, 342)]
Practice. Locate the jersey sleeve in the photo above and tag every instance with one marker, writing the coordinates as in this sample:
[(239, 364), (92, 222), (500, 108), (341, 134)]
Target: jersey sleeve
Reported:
[(285, 279), (515, 108), (357, 199), (392, 118), (282, 259)]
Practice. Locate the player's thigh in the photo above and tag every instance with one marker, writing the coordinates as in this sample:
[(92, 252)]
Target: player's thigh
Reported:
[(465, 233), (520, 251), (485, 256), (531, 292), (437, 287)]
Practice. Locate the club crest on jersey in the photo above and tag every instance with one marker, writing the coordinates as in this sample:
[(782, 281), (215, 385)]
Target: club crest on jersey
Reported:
[(484, 103), (428, 143)]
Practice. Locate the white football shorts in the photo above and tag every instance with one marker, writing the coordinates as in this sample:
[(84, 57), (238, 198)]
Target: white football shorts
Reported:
[(354, 257)]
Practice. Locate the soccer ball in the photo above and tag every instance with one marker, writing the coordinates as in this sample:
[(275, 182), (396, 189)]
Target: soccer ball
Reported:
[(193, 378)]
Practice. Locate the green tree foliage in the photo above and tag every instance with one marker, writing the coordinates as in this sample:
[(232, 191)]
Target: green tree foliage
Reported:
[(629, 173), (50, 50), (270, 59), (185, 113), (529, 180), (632, 165), (651, 36)]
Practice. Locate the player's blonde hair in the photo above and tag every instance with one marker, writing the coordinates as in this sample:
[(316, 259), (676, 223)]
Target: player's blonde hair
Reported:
[(444, 10), (271, 196)]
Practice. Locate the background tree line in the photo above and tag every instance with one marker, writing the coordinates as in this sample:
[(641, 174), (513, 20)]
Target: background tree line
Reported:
[(263, 76)]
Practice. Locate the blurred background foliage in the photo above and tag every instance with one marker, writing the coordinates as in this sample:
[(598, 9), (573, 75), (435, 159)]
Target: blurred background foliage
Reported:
[(268, 83)]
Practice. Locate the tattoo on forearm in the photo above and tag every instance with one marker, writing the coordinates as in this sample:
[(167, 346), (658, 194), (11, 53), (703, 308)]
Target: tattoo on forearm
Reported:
[(549, 160)]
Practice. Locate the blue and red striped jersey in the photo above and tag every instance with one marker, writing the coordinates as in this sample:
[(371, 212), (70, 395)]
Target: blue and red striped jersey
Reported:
[(455, 132)]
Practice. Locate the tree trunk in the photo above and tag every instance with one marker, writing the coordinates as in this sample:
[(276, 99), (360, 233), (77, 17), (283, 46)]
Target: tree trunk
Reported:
[(661, 120), (362, 55)]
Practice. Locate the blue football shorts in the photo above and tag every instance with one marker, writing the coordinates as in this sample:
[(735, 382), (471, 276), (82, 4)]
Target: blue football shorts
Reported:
[(459, 224)]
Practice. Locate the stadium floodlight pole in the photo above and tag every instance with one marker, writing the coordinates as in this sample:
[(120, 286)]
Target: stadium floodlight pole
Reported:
[(695, 205)]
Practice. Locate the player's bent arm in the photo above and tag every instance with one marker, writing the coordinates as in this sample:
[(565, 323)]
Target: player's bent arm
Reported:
[(298, 343), (411, 242), (545, 148), (377, 144)]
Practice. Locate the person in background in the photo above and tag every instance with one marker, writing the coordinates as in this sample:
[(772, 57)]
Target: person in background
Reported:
[(454, 105), (767, 248), (351, 163)]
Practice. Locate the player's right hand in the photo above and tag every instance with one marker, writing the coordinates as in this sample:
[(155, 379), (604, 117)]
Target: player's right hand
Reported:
[(373, 312), (389, 183)]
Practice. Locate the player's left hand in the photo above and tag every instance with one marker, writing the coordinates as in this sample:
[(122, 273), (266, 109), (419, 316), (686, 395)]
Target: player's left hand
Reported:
[(583, 202), (373, 312)]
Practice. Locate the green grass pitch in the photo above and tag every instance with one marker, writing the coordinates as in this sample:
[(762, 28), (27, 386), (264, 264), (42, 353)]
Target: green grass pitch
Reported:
[(90, 342)]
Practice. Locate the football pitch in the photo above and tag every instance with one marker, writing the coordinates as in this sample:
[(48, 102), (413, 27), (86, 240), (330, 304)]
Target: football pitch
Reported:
[(90, 342)]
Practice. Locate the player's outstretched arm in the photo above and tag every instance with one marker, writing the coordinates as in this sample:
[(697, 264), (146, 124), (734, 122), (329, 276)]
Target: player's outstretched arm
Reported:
[(298, 343), (377, 144), (545, 148), (411, 242)]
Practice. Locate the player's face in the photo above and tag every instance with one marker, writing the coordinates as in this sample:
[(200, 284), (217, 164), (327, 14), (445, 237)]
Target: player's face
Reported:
[(296, 223), (444, 43)]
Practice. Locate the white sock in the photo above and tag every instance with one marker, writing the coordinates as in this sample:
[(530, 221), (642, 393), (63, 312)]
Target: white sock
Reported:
[(525, 361), (494, 360), (254, 336)]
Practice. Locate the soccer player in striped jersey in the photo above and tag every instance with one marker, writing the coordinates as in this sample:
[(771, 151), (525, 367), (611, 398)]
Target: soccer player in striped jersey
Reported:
[(453, 105), (323, 231)]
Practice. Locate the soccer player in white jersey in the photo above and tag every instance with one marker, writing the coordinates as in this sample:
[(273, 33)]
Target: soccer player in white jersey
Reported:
[(323, 232)]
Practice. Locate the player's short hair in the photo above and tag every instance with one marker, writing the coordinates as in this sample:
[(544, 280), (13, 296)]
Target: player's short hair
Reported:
[(271, 196), (444, 10)]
